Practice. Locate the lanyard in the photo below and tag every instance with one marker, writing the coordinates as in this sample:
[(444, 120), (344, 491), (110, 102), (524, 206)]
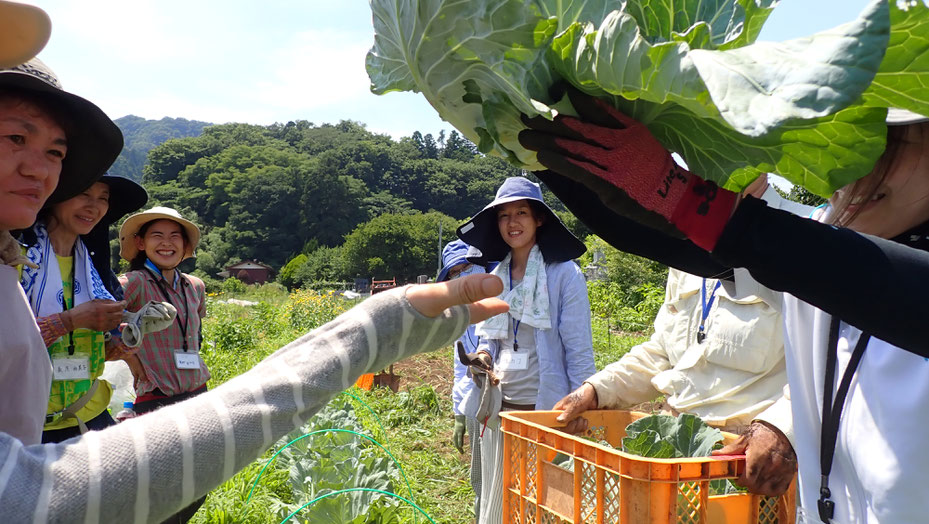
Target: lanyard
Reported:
[(515, 322), (64, 305), (701, 332), (832, 412), (164, 291)]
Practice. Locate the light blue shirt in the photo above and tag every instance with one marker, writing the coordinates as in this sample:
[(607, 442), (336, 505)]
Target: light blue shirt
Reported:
[(565, 352)]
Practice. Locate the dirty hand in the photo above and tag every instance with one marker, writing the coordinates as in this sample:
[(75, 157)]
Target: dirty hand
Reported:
[(577, 402), (458, 433), (618, 158), (135, 367), (770, 461), (152, 317), (97, 315), (478, 292)]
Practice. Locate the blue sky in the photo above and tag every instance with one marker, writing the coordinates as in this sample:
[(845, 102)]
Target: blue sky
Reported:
[(267, 61)]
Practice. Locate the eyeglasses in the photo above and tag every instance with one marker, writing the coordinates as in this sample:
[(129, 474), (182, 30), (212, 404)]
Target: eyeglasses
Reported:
[(456, 272)]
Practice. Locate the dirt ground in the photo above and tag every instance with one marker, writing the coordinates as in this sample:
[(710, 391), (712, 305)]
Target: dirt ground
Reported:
[(434, 369)]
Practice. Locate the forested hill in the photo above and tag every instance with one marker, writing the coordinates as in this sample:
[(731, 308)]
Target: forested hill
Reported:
[(142, 135), (355, 202)]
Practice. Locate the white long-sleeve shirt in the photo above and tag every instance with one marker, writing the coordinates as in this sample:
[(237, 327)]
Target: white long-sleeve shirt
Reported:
[(737, 374), (729, 379), (147, 468)]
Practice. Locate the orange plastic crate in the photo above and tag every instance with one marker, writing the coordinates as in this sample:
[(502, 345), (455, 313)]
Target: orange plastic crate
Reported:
[(609, 486)]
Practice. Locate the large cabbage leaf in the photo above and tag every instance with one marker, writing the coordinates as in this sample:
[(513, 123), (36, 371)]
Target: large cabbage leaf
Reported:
[(665, 436), (690, 70)]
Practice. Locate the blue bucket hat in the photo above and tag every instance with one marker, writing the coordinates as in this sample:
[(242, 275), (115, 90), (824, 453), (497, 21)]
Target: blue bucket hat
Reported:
[(554, 239), (453, 254)]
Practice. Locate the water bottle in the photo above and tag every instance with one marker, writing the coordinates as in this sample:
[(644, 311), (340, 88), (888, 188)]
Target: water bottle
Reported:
[(127, 412)]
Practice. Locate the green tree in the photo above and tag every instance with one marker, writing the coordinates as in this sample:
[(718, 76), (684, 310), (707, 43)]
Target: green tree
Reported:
[(457, 147), (402, 246), (323, 264), (631, 274), (804, 196), (288, 272)]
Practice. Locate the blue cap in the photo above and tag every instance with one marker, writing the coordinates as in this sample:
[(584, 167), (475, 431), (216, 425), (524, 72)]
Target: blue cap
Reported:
[(453, 254)]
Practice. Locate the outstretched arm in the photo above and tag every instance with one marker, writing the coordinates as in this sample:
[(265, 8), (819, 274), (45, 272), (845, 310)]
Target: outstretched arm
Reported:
[(871, 283), (151, 466)]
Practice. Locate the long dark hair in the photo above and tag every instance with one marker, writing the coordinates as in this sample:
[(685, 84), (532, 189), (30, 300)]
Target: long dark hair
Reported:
[(865, 188), (138, 262)]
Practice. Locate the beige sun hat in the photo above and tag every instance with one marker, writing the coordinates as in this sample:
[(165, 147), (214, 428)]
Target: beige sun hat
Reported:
[(129, 229), (24, 31)]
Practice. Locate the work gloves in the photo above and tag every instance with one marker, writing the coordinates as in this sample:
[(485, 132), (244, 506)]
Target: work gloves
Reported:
[(152, 317), (618, 159), (458, 433)]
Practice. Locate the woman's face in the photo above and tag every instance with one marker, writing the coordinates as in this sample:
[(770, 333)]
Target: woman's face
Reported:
[(517, 224), (78, 215), (32, 149), (901, 201), (163, 243)]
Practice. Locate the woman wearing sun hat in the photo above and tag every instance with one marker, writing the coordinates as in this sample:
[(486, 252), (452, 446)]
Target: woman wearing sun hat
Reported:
[(155, 242), (76, 300), (44, 157), (545, 339)]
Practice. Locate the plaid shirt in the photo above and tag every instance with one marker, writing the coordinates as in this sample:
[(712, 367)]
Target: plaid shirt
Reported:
[(157, 349)]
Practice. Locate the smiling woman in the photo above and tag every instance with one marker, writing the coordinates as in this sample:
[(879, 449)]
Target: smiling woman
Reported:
[(170, 368), (33, 143), (42, 157), (543, 348), (76, 300)]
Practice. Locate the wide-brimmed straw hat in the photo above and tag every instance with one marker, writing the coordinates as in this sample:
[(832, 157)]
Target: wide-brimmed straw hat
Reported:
[(94, 141), (556, 242), (24, 31), (129, 229)]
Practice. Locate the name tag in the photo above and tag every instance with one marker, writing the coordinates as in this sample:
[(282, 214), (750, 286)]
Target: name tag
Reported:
[(186, 359), (513, 361), (71, 367)]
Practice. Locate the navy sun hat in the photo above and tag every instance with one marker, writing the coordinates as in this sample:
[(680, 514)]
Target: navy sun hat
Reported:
[(126, 196), (453, 254), (554, 239), (94, 141)]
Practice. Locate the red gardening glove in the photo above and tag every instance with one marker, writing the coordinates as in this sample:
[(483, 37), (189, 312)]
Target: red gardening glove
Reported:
[(606, 150)]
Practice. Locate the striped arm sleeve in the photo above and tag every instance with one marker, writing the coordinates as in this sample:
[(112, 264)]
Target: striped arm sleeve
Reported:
[(147, 468)]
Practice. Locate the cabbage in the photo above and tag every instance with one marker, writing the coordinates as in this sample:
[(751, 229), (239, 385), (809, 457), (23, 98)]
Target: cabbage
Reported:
[(810, 109)]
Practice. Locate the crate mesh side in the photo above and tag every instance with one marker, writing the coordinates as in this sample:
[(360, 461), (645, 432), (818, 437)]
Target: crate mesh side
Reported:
[(531, 469), (597, 433), (610, 497), (514, 508), (767, 510), (588, 491), (531, 510), (688, 503), (514, 459), (550, 518)]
